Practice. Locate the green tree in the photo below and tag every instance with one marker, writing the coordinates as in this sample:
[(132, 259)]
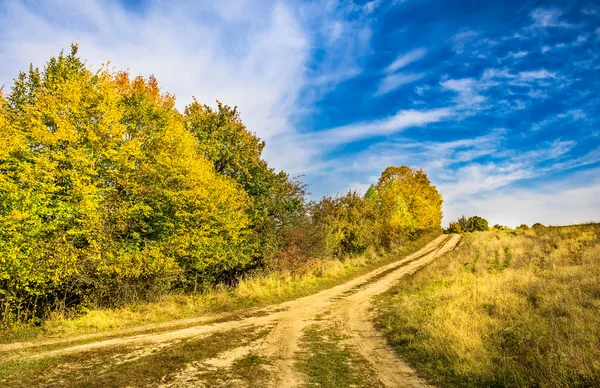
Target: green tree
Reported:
[(471, 224), (277, 201), (477, 223), (348, 229)]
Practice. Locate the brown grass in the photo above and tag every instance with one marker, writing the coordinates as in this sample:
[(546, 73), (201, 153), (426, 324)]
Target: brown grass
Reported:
[(506, 308)]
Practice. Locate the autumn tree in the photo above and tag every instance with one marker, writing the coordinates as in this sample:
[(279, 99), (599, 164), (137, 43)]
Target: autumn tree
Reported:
[(348, 229), (408, 202), (104, 194), (277, 200)]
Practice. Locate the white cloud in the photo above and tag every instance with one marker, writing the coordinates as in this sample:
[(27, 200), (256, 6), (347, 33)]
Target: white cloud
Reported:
[(572, 115), (548, 17), (406, 59), (396, 123), (467, 90), (536, 74), (394, 81), (492, 73), (461, 39), (420, 90), (518, 54), (557, 203)]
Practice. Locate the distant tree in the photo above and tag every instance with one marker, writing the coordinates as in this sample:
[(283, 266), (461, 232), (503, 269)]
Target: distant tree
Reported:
[(523, 226), (471, 224), (537, 225), (454, 227), (498, 227), (464, 224), (408, 204), (477, 223)]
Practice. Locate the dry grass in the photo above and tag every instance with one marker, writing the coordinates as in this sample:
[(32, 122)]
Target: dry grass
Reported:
[(506, 308), (254, 291)]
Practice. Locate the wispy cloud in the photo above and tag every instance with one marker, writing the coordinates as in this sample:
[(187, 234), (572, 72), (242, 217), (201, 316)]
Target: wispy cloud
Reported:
[(536, 74), (406, 59), (394, 81), (518, 54), (467, 90), (394, 124), (548, 17), (461, 39)]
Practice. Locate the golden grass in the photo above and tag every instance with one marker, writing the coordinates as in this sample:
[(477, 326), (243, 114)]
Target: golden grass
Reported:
[(253, 291), (506, 308)]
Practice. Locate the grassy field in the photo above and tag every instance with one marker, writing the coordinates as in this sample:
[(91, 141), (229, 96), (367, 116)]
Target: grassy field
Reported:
[(506, 308), (254, 291)]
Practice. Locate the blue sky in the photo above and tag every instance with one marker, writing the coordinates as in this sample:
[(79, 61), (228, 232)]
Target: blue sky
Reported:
[(498, 103)]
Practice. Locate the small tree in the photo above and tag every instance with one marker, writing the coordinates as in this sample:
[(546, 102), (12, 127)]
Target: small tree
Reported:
[(471, 224), (477, 223), (454, 227)]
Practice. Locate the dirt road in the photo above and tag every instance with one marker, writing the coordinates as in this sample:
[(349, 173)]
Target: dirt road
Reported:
[(264, 347)]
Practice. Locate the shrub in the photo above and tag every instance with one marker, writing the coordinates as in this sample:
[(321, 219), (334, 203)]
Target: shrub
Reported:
[(454, 227), (471, 224)]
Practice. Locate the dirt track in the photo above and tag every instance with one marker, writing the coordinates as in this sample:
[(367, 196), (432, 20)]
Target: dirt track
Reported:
[(345, 308)]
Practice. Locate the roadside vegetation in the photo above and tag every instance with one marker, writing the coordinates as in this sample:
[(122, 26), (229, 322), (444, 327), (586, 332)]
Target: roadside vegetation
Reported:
[(507, 308), (252, 291), (111, 198)]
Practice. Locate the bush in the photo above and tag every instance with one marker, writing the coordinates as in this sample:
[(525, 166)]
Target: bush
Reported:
[(454, 227), (471, 224)]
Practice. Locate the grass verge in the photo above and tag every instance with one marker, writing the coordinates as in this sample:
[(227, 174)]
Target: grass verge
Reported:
[(504, 309)]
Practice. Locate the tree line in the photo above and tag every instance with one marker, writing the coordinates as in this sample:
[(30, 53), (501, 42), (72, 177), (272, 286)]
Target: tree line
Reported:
[(109, 194)]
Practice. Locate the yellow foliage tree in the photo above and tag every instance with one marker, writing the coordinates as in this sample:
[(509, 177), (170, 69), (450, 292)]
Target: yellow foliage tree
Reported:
[(408, 204), (104, 195)]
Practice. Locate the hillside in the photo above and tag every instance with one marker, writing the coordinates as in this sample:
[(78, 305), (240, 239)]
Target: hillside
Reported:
[(506, 308)]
